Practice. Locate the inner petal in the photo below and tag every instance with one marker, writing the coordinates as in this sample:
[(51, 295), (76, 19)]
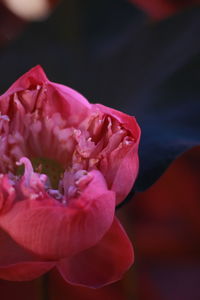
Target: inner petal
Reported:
[(54, 148)]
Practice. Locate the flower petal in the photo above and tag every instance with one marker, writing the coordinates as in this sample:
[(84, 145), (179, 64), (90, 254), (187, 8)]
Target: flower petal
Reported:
[(33, 77), (120, 168), (57, 98), (52, 230), (17, 263), (73, 106), (125, 173), (128, 122), (102, 264)]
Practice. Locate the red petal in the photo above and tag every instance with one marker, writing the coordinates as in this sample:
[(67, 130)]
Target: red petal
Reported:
[(127, 121), (73, 106), (102, 264), (18, 264), (53, 230), (121, 168), (125, 174), (33, 77), (70, 104)]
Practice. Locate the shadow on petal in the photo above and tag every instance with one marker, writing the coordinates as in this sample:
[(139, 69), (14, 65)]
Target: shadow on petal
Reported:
[(18, 264), (102, 264)]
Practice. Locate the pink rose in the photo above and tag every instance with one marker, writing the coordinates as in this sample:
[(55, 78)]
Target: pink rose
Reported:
[(79, 161)]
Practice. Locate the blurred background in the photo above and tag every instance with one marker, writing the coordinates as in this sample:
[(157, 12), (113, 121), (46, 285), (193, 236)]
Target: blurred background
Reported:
[(141, 57)]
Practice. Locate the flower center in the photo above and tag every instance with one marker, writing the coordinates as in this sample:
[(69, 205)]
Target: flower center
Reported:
[(36, 185), (50, 167), (54, 153)]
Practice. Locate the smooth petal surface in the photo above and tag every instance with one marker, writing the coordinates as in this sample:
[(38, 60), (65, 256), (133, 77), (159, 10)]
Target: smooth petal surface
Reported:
[(72, 105), (126, 173), (54, 231), (18, 264), (102, 264)]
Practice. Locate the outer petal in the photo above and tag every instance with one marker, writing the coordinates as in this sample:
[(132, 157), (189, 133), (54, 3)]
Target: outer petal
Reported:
[(126, 173), (127, 121), (73, 106), (121, 168), (102, 264), (30, 79), (18, 264), (56, 97), (54, 231)]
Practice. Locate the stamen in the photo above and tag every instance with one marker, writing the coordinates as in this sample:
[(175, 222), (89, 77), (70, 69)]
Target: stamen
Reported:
[(28, 169), (4, 117)]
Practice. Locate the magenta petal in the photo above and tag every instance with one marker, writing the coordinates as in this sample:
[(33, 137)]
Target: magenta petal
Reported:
[(127, 121), (18, 264), (73, 106), (126, 172), (121, 166), (32, 78), (102, 264), (53, 230)]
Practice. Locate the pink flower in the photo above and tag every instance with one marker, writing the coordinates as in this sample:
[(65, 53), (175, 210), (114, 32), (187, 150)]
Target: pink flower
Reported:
[(79, 161)]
